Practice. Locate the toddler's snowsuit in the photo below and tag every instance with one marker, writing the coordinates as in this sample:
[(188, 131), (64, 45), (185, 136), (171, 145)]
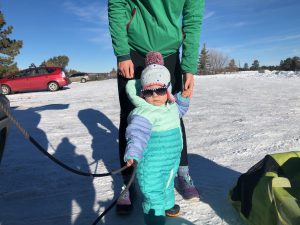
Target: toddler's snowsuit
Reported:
[(154, 140)]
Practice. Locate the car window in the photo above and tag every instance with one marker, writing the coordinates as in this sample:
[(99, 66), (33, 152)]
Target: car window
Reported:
[(42, 71), (50, 70), (33, 72), (77, 74), (24, 73), (19, 74)]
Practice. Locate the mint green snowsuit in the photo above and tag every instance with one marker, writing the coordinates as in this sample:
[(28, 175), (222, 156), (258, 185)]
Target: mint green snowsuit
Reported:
[(154, 140)]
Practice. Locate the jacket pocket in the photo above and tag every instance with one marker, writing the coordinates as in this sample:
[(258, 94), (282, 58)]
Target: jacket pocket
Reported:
[(132, 16)]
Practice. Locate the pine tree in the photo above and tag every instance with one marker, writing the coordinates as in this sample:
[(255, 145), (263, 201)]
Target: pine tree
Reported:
[(255, 65), (203, 63), (290, 64), (9, 48), (59, 61), (43, 63), (246, 67), (296, 61)]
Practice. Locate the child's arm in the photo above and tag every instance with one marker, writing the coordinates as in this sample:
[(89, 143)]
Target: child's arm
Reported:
[(137, 135), (132, 90), (182, 102)]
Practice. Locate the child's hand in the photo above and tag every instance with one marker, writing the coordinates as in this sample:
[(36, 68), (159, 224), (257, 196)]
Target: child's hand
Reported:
[(186, 93), (130, 162)]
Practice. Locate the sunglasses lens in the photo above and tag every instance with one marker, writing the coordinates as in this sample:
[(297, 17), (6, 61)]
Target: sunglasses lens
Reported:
[(147, 93), (161, 91), (158, 91)]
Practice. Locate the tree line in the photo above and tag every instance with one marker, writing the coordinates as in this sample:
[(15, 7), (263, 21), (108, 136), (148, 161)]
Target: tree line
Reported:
[(212, 61)]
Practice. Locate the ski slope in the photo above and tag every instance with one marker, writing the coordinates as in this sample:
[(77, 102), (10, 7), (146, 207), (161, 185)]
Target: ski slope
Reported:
[(233, 122)]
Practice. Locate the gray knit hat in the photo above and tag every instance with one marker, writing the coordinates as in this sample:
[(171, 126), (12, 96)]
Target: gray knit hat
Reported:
[(155, 74)]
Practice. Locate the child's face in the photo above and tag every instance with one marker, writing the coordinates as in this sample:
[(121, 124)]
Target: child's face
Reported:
[(156, 99)]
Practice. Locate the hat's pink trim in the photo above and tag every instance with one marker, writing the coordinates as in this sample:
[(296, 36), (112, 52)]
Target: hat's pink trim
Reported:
[(148, 86)]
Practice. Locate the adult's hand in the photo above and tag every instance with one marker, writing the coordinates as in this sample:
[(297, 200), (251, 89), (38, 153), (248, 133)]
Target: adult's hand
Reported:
[(126, 69), (188, 83)]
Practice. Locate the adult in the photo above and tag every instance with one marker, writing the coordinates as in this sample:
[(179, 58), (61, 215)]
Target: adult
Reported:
[(138, 27)]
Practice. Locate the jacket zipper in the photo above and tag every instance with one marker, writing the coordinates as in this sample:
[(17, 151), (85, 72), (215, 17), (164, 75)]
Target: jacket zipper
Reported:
[(132, 15)]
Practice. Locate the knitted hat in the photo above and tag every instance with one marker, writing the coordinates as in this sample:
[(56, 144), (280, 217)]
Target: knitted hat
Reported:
[(156, 74), (154, 58)]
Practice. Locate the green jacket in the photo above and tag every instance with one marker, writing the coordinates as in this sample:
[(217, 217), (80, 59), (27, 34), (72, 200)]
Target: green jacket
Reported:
[(155, 25)]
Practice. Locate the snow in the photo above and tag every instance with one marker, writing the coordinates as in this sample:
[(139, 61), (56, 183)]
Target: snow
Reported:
[(233, 122)]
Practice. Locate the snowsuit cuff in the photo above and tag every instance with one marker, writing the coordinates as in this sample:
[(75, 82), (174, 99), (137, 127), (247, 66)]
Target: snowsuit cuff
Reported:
[(181, 99), (127, 157)]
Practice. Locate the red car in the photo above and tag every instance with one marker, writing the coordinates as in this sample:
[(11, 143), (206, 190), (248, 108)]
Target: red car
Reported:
[(32, 79)]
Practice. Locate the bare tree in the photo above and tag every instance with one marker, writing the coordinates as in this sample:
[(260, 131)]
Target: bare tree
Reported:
[(217, 61)]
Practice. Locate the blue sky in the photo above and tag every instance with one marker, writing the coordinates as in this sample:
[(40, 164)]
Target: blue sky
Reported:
[(267, 30)]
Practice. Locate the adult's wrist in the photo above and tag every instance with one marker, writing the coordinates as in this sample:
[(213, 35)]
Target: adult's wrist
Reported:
[(188, 73), (122, 58)]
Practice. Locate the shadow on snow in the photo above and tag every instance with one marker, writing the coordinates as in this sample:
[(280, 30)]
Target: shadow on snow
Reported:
[(36, 191)]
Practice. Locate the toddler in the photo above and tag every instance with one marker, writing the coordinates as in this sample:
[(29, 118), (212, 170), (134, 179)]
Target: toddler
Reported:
[(154, 140)]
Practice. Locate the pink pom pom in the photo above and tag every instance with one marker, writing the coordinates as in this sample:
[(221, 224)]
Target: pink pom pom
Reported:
[(154, 58)]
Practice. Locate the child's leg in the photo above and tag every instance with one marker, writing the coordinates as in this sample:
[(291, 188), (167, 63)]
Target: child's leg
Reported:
[(154, 200), (152, 182), (170, 195)]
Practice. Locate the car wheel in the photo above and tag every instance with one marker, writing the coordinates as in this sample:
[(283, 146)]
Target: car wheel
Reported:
[(53, 86), (5, 89), (83, 80)]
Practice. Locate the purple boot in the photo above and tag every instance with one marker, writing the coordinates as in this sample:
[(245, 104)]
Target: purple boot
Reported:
[(186, 188)]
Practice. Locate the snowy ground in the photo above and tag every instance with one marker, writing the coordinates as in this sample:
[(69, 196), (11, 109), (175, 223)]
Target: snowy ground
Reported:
[(233, 122)]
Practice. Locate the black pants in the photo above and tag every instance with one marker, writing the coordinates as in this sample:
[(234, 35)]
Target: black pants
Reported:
[(172, 62)]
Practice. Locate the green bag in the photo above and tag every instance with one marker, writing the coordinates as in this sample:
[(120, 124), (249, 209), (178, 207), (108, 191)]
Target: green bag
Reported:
[(269, 193)]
